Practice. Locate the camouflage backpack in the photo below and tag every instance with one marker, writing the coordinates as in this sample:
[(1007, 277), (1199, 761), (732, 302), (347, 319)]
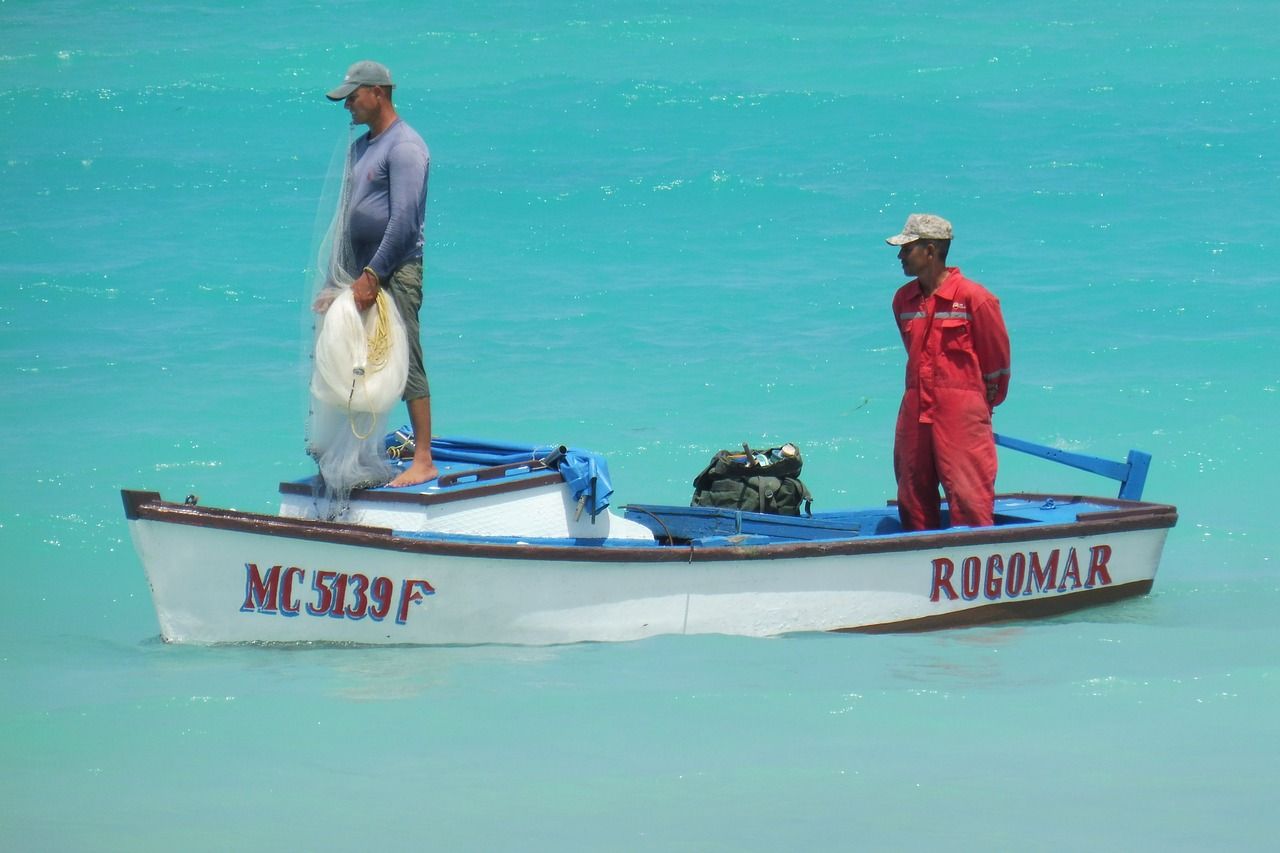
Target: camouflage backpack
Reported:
[(754, 481)]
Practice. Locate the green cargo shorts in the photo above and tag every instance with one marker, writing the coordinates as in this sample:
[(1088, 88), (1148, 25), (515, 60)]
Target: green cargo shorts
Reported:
[(405, 288)]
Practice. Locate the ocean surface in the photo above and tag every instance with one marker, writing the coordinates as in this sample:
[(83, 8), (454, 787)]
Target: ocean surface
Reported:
[(655, 229)]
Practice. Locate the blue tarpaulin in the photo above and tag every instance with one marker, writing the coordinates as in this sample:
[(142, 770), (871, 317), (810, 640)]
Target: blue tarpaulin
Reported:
[(586, 473)]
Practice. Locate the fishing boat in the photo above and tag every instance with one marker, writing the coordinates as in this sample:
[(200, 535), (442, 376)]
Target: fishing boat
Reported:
[(519, 544)]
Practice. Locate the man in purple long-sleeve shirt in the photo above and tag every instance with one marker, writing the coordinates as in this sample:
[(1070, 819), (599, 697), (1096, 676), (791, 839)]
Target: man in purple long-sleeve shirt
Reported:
[(386, 208)]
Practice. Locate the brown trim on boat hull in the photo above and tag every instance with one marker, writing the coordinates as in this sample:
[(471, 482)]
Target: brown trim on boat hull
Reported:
[(1130, 516), (1006, 611), (134, 499)]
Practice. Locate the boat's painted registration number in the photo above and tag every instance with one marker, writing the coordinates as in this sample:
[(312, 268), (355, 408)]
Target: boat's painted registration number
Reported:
[(281, 591)]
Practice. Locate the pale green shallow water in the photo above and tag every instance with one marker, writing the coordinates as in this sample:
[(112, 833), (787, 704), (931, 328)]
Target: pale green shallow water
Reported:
[(654, 230)]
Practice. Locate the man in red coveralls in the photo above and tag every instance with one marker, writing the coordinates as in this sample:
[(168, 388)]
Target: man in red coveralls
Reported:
[(957, 373)]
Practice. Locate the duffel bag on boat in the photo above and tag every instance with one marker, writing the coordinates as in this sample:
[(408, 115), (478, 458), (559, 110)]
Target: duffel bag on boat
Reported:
[(754, 481)]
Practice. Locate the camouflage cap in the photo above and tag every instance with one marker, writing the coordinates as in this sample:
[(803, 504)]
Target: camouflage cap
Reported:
[(921, 226)]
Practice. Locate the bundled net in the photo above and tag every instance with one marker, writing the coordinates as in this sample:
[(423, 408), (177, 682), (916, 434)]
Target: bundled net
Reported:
[(359, 365)]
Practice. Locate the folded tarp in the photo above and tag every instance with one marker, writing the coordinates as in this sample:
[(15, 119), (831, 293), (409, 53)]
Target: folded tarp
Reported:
[(586, 473)]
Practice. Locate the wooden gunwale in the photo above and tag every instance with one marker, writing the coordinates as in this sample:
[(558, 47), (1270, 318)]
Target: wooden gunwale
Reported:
[(1128, 516)]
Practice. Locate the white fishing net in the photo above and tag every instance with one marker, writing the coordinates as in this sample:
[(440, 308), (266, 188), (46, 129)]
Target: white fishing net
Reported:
[(359, 365)]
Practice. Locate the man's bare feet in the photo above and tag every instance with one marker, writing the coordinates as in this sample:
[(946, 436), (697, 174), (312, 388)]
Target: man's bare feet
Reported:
[(415, 474)]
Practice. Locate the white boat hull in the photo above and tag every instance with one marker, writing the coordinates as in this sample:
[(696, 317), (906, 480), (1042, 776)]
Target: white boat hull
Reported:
[(222, 576)]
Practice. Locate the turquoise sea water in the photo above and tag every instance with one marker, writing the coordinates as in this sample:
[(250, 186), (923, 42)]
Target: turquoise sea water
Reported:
[(654, 230)]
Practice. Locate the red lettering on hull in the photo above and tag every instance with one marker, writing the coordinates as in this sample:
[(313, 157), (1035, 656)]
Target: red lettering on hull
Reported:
[(942, 571), (1018, 574), (337, 595)]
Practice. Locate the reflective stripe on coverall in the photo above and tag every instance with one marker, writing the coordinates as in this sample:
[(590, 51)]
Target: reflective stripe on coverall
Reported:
[(956, 343)]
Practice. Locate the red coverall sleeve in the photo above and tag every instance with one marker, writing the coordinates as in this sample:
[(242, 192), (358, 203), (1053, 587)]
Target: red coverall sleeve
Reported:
[(991, 341)]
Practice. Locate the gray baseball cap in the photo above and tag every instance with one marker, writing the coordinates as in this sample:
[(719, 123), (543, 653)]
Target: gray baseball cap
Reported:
[(366, 72), (921, 226)]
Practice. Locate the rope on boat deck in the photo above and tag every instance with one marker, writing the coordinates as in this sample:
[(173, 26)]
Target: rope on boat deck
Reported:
[(671, 540)]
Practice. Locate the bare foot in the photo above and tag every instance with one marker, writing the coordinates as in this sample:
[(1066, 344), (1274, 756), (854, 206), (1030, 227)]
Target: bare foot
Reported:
[(415, 474)]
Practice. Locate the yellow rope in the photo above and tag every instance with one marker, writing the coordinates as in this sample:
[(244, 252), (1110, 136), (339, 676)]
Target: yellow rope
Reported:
[(380, 340)]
